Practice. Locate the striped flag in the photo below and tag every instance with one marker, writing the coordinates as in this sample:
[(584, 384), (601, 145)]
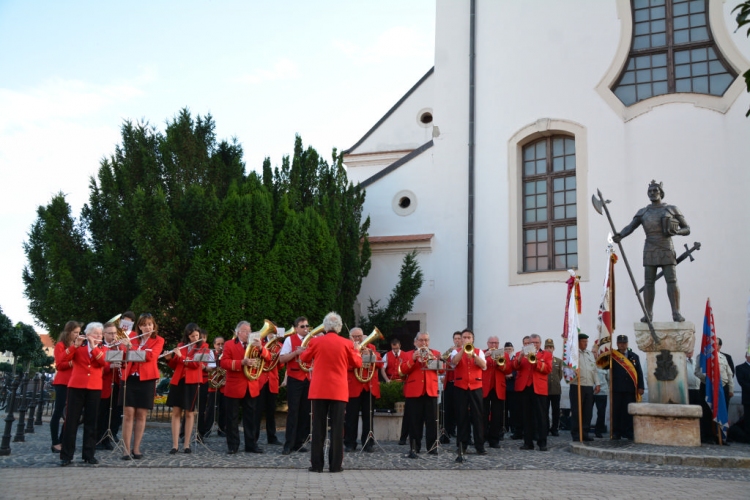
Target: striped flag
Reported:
[(572, 327), (606, 318), (710, 367)]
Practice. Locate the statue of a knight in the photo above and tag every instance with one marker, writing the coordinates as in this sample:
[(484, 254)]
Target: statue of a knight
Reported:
[(660, 222)]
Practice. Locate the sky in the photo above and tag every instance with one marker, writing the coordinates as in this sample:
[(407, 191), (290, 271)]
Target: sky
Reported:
[(71, 73)]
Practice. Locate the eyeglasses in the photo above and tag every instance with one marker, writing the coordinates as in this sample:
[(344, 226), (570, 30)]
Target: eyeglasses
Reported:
[(303, 326)]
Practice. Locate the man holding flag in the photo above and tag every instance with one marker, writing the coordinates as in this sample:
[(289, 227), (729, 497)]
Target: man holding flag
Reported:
[(627, 387), (710, 373)]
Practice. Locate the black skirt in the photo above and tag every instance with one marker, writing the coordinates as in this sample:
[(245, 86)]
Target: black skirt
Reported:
[(138, 393), (183, 395)]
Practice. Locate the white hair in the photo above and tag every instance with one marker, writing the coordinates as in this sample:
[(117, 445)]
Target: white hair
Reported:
[(240, 325), (95, 325), (332, 322)]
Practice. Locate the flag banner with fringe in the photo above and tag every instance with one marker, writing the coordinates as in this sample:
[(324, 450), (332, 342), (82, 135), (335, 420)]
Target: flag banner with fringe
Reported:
[(710, 367), (572, 327), (606, 317)]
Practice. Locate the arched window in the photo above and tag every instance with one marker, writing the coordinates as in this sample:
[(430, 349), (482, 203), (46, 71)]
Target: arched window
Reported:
[(550, 232), (672, 51)]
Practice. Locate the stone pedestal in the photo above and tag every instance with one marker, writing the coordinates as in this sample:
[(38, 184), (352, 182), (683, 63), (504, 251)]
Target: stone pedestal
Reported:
[(674, 340), (386, 426), (666, 424)]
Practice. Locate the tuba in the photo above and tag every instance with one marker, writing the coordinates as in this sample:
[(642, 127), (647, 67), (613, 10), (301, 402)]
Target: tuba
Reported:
[(252, 352), (274, 347), (304, 366), (363, 374), (120, 336)]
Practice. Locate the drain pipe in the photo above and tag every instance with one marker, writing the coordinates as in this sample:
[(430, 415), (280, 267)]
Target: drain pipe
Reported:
[(470, 243)]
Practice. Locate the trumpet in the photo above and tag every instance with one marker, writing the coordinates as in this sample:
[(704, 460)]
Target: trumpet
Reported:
[(365, 374), (304, 366), (424, 354), (469, 349), (498, 356), (530, 352), (252, 352)]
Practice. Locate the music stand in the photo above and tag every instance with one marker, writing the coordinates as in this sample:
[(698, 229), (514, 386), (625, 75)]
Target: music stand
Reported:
[(131, 356), (438, 365), (201, 357), (372, 359), (112, 356)]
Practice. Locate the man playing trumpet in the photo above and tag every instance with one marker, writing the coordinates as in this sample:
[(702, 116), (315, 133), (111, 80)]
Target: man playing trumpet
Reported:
[(359, 397), (533, 365), (493, 391), (469, 364)]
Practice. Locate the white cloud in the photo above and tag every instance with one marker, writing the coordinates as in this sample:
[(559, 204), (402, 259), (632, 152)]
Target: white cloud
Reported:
[(399, 42), (284, 69)]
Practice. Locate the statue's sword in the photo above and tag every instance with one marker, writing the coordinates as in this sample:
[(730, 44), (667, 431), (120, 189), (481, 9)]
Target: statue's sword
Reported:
[(599, 204), (687, 254)]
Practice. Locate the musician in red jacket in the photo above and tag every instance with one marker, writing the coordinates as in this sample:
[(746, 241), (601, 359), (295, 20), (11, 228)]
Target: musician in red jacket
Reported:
[(84, 392), (360, 398), (421, 392), (140, 382), (183, 387), (64, 367), (241, 391), (109, 410), (329, 391), (392, 360), (468, 368), (493, 391), (531, 384), (269, 389)]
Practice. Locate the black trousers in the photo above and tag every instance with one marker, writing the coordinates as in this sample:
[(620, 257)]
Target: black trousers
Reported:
[(513, 409), (553, 402), (449, 405), (471, 399), (84, 401), (249, 408), (202, 405), (61, 397), (266, 408), (104, 420), (494, 414), (353, 407), (622, 421), (600, 401), (298, 413), (323, 409), (421, 412), (214, 412), (535, 422), (587, 409)]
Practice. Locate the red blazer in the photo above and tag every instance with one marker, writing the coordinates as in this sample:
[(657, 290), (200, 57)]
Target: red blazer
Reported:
[(270, 377), (292, 367), (63, 363), (467, 375), (494, 377), (536, 373), (391, 368), (418, 381), (356, 387), (334, 356), (237, 383), (191, 371), (87, 370), (148, 370)]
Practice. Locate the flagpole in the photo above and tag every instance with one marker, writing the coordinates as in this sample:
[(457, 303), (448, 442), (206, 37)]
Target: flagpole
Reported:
[(580, 414), (609, 389)]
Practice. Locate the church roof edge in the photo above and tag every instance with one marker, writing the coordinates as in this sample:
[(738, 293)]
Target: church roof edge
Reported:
[(396, 164)]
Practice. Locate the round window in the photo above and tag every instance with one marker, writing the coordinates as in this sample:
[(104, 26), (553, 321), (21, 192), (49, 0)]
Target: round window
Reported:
[(404, 203)]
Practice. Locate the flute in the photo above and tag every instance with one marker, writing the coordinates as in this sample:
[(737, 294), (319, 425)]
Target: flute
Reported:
[(172, 351)]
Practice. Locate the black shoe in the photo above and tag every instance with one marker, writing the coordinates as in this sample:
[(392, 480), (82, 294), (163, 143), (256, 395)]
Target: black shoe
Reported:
[(340, 469), (254, 450), (516, 436), (412, 454), (287, 451), (274, 441), (481, 451), (368, 448), (598, 434), (555, 433), (495, 445), (526, 447), (588, 438), (65, 463), (432, 452), (173, 451), (313, 469), (349, 449), (108, 445), (615, 437), (126, 457), (303, 450), (402, 442), (231, 452), (91, 461), (188, 450), (137, 456), (56, 451), (543, 448)]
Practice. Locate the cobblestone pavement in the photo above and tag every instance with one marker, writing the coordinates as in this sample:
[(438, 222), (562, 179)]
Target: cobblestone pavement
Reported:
[(386, 473)]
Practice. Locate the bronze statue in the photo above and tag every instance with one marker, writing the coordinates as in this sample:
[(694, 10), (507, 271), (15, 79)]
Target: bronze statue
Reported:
[(660, 222)]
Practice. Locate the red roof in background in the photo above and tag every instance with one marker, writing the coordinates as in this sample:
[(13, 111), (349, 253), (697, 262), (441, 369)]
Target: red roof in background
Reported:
[(47, 341)]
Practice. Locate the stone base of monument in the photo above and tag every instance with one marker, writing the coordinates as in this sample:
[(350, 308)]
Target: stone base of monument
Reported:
[(665, 424)]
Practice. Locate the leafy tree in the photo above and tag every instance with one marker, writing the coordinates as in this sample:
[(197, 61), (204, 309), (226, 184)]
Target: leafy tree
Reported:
[(401, 300), (174, 227)]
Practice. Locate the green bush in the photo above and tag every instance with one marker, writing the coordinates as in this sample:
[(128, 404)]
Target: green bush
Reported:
[(390, 394)]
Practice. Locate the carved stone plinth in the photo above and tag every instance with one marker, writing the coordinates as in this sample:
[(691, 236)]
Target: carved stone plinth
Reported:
[(664, 424), (666, 364)]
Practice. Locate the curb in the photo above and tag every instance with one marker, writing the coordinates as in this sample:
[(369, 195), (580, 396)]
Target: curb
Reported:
[(661, 458)]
